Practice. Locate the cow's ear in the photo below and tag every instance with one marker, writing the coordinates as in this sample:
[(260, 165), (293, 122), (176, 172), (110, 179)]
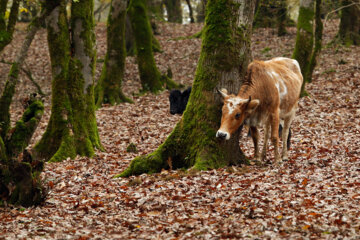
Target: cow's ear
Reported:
[(223, 92), (252, 105)]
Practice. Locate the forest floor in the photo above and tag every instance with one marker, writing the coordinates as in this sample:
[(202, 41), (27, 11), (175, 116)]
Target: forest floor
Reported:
[(316, 194)]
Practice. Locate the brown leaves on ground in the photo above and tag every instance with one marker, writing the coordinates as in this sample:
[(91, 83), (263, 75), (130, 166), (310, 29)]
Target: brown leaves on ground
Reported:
[(316, 194)]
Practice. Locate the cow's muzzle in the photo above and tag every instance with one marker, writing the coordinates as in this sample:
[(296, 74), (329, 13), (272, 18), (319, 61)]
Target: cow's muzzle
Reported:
[(223, 135)]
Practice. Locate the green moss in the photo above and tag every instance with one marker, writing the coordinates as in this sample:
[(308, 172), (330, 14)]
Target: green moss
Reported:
[(24, 129), (3, 157)]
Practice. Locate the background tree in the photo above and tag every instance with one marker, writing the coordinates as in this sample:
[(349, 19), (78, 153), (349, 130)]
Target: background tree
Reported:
[(174, 10), (19, 178), (200, 10), (308, 40), (108, 89), (7, 27), (191, 15), (349, 29), (272, 14), (225, 54), (72, 127), (151, 78)]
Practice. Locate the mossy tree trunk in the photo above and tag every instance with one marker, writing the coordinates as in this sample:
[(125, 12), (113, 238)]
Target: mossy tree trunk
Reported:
[(225, 54), (7, 27), (151, 78), (72, 127), (174, 10), (308, 38), (349, 29), (19, 178), (108, 89)]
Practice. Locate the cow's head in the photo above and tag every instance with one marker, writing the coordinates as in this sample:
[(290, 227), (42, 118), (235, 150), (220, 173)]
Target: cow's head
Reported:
[(235, 110)]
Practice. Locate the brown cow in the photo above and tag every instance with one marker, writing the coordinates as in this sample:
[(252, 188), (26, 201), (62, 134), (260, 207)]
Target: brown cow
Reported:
[(270, 92)]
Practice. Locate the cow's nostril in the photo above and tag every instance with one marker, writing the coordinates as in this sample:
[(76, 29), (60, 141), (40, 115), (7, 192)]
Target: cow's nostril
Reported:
[(221, 135)]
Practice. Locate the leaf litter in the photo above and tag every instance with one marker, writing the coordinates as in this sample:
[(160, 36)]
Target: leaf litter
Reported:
[(316, 194)]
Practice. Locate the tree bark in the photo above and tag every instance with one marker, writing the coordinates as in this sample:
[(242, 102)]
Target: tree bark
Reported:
[(108, 89), (224, 57), (305, 51), (72, 127), (349, 29), (151, 79), (174, 10)]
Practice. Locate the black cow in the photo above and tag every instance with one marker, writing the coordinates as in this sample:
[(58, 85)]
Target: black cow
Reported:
[(178, 100)]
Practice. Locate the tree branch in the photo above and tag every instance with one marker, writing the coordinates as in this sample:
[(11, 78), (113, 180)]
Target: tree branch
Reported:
[(338, 9), (29, 75)]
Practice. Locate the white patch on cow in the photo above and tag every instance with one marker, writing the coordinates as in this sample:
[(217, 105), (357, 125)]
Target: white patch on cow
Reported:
[(233, 102), (277, 85), (283, 89), (280, 84), (296, 64)]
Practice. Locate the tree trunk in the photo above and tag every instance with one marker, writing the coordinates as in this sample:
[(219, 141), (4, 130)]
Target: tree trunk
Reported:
[(174, 10), (151, 79), (7, 30), (191, 15), (305, 52), (349, 29), (72, 126), (155, 8), (224, 57), (200, 10), (108, 89), (281, 18), (317, 42), (19, 179)]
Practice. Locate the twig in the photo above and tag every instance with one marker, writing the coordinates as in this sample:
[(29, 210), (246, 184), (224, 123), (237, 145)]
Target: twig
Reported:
[(29, 75), (338, 9)]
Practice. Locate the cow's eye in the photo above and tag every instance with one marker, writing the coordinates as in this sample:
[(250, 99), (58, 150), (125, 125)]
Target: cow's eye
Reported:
[(237, 116)]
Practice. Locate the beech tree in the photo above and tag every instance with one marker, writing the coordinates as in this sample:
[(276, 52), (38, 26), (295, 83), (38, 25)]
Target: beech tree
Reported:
[(72, 127), (20, 177), (224, 57), (7, 27), (108, 89), (349, 29), (308, 38), (151, 78)]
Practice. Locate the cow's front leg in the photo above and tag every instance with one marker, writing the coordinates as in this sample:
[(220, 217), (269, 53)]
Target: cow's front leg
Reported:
[(255, 138)]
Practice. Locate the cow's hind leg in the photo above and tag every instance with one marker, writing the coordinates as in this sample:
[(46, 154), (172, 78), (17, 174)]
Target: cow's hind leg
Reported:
[(266, 138), (275, 136), (285, 136), (255, 138)]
